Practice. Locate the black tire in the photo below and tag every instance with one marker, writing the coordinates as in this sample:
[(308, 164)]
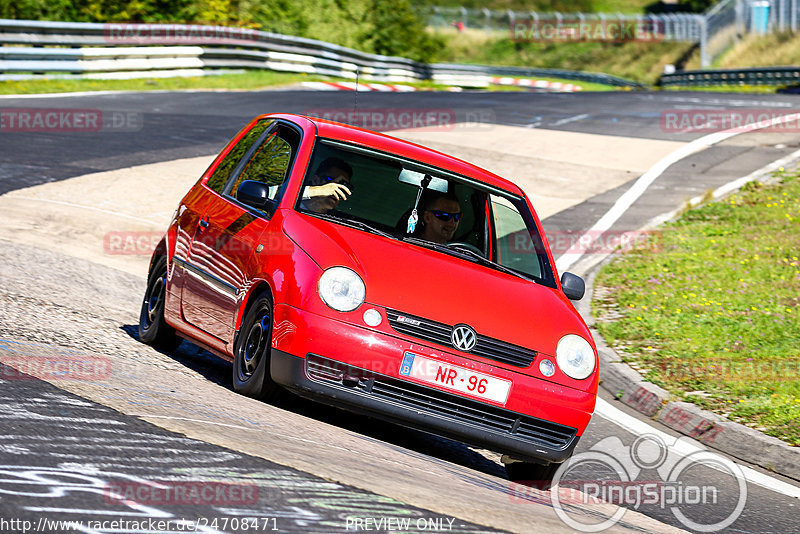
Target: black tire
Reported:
[(153, 329), (530, 474), (251, 353)]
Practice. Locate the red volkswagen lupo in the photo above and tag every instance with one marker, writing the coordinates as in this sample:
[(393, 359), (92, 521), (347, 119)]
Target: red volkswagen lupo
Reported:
[(382, 277)]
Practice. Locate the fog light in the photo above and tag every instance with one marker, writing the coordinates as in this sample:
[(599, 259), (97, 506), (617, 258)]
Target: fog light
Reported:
[(547, 368), (372, 317)]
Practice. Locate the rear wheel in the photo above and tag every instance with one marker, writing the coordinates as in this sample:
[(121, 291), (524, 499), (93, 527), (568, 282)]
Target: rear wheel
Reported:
[(252, 351), (153, 329)]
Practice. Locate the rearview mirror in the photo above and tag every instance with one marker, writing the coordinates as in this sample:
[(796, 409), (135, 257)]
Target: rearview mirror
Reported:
[(407, 176), (252, 193), (573, 286)]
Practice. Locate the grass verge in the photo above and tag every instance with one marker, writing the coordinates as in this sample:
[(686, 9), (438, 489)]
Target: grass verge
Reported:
[(638, 61), (245, 81), (747, 89), (709, 309), (248, 80)]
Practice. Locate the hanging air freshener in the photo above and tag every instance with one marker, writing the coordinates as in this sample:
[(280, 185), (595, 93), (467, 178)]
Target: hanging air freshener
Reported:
[(412, 222), (414, 218)]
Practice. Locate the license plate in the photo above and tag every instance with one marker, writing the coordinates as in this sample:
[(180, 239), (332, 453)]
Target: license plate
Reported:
[(455, 378)]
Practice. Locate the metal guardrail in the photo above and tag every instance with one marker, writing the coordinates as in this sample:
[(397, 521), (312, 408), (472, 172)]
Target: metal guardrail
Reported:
[(750, 76), (36, 49)]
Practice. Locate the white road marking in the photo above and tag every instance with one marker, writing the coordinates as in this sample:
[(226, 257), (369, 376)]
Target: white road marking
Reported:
[(630, 196), (92, 208), (686, 447), (570, 119), (723, 190), (606, 410)]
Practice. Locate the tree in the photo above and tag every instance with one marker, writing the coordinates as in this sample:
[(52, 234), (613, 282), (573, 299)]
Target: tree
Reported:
[(396, 30)]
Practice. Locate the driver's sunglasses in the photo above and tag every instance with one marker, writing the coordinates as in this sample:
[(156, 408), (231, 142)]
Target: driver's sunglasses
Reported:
[(445, 216), (338, 180)]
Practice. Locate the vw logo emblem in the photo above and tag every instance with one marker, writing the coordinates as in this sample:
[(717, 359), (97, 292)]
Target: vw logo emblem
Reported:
[(463, 337)]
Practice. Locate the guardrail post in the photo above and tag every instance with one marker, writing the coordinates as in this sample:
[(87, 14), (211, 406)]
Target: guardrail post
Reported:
[(739, 10), (705, 61)]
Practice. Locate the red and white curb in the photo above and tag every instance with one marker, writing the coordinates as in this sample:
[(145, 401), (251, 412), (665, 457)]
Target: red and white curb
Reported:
[(537, 84), (351, 86)]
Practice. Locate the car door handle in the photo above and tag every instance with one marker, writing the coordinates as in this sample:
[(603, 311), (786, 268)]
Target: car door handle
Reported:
[(203, 224)]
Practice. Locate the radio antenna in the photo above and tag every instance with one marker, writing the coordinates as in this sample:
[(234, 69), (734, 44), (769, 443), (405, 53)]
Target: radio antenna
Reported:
[(355, 99)]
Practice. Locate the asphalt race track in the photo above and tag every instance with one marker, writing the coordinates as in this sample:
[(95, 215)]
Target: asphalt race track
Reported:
[(166, 421)]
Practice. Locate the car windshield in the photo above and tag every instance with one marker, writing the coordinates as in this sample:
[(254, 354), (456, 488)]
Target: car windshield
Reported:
[(383, 194)]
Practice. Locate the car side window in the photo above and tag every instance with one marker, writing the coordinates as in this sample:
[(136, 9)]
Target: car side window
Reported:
[(223, 172), (271, 161), (518, 246)]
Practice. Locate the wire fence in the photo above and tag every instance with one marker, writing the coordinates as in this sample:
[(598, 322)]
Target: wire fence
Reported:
[(715, 31)]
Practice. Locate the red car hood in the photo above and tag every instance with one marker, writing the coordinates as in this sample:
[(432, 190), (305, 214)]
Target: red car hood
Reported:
[(434, 285)]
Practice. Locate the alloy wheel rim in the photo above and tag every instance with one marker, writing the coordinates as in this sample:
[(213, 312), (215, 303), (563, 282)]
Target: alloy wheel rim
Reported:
[(154, 299), (254, 346)]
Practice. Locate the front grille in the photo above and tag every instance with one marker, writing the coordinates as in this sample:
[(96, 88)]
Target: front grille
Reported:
[(442, 404), (436, 332)]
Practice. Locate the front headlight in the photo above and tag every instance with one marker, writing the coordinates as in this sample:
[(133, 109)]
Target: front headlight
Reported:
[(341, 289), (575, 357)]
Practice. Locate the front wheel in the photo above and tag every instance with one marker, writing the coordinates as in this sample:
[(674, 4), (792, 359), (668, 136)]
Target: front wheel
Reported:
[(252, 351), (153, 329)]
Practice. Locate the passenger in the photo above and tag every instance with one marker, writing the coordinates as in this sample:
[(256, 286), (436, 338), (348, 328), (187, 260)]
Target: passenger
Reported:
[(329, 186), (441, 213)]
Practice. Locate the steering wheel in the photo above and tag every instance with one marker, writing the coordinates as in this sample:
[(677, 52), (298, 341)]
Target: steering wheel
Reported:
[(468, 246)]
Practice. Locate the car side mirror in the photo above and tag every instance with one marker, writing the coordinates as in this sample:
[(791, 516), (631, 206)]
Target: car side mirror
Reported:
[(252, 193), (573, 286)]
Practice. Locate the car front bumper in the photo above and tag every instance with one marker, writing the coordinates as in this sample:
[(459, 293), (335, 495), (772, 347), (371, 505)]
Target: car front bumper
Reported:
[(355, 368)]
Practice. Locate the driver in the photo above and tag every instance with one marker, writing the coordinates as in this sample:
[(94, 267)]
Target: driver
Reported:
[(441, 214), (329, 186)]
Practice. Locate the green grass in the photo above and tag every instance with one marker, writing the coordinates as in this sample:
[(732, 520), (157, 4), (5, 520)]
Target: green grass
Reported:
[(247, 80), (710, 308), (639, 61), (747, 89)]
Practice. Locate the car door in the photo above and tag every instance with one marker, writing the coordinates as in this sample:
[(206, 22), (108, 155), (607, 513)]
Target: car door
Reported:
[(220, 258), (194, 205)]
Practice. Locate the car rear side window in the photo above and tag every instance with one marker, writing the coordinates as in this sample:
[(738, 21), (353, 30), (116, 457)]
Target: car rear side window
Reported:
[(225, 169), (270, 162)]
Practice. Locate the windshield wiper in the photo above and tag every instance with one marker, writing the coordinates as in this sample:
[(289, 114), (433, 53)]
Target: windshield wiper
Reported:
[(353, 223), (467, 254), (486, 261)]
